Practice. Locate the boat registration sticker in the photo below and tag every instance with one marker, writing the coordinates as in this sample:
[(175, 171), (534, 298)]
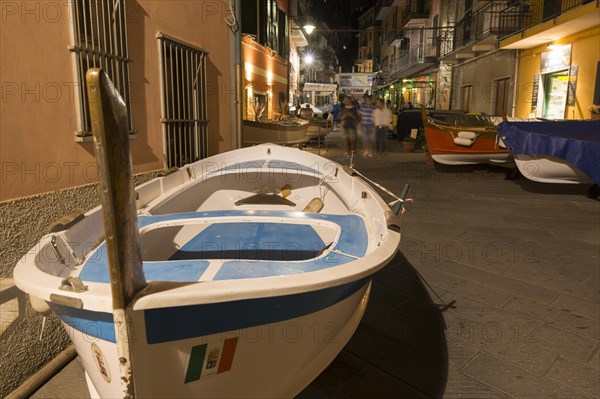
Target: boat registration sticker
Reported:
[(101, 362), (211, 358)]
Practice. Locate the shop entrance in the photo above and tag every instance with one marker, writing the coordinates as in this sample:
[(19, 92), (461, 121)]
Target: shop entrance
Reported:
[(555, 94)]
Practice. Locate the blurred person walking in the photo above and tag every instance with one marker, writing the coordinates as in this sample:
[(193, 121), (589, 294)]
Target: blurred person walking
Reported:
[(367, 126), (350, 119), (382, 120)]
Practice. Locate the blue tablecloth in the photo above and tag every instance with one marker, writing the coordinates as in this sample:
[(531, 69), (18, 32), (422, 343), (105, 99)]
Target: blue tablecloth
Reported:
[(577, 142)]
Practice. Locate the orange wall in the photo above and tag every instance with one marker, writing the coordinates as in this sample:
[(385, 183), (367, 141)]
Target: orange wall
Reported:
[(264, 70), (38, 120)]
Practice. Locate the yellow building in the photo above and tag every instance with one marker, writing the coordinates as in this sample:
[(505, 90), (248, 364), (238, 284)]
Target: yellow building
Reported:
[(558, 57)]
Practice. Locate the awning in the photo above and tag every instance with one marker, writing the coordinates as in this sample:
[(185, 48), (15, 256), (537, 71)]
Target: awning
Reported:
[(324, 88)]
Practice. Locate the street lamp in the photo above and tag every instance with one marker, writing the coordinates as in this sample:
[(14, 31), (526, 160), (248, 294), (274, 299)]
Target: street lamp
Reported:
[(309, 28)]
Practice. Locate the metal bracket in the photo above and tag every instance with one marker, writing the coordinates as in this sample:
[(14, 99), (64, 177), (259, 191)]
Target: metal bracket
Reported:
[(54, 245), (72, 284)]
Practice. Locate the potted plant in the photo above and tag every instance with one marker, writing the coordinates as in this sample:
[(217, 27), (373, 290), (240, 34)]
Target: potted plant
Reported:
[(408, 144), (595, 112)]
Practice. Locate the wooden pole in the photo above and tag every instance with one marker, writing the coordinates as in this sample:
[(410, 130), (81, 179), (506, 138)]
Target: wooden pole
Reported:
[(117, 195)]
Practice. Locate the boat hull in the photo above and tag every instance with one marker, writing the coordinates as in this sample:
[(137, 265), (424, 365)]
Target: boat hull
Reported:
[(318, 130), (484, 149), (277, 133), (549, 169), (227, 362), (564, 151), (470, 159)]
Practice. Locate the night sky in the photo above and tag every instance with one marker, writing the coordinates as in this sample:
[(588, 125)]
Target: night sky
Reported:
[(342, 14)]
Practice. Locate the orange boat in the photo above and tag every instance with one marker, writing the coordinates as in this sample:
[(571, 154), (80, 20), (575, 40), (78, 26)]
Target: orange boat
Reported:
[(463, 140)]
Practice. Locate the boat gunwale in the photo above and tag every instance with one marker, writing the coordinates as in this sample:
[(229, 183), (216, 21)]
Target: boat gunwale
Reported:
[(160, 294), (34, 281)]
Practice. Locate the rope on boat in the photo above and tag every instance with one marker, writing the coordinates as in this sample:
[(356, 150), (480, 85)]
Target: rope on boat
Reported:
[(337, 251), (397, 200)]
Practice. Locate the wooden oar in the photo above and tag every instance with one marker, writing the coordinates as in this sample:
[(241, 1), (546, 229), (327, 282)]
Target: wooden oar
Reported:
[(117, 196)]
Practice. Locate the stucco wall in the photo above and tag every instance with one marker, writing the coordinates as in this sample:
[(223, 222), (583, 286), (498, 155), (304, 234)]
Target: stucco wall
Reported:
[(481, 73), (38, 115)]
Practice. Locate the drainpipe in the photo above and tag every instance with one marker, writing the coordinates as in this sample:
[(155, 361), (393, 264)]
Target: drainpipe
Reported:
[(516, 85), (237, 105)]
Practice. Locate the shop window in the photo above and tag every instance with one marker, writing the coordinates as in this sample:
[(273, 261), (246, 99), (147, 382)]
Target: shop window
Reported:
[(555, 94), (256, 104), (184, 113), (100, 41)]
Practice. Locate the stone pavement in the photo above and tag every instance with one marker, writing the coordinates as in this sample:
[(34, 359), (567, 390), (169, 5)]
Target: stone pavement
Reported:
[(495, 293)]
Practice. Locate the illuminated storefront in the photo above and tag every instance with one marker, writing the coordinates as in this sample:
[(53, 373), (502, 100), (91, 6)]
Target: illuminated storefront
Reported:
[(419, 91), (558, 63)]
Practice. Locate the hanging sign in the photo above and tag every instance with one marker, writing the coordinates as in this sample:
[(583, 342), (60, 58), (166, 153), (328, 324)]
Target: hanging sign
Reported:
[(535, 90), (559, 57), (572, 87)]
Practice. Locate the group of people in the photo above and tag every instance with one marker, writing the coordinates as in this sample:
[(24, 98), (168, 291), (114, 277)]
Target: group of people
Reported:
[(373, 120)]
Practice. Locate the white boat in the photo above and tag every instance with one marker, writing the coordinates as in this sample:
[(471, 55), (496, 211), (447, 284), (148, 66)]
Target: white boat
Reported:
[(258, 265), (549, 169), (319, 129), (564, 152), (277, 132)]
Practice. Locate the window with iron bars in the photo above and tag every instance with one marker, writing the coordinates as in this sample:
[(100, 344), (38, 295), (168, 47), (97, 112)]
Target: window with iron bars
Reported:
[(100, 41), (184, 107)]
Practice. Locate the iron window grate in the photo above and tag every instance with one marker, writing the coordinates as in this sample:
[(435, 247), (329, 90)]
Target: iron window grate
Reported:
[(184, 106), (100, 41)]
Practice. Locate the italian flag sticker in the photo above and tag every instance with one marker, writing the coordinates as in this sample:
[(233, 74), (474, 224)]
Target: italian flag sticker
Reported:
[(212, 358)]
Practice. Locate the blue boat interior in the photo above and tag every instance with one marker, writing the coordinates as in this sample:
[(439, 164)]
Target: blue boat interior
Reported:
[(246, 248)]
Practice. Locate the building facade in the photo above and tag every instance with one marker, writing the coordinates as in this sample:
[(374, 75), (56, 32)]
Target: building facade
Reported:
[(523, 58), (558, 73), (265, 54), (410, 60), (369, 45), (483, 76)]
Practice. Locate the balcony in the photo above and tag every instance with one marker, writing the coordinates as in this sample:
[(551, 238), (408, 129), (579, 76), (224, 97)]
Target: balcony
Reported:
[(415, 12), (384, 7), (395, 38), (415, 59), (526, 24), (474, 33)]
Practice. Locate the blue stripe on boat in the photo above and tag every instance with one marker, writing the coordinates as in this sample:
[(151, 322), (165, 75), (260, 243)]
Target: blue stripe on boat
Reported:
[(92, 324), (184, 322), (172, 324)]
